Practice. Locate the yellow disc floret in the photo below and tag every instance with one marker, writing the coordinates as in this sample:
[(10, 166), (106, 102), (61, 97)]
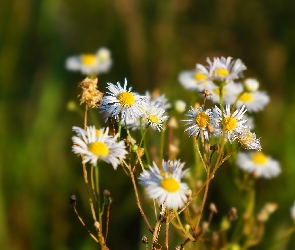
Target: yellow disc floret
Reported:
[(259, 158), (88, 59), (229, 123), (126, 99), (246, 97), (202, 119), (200, 77), (99, 149), (154, 119), (170, 185), (220, 73)]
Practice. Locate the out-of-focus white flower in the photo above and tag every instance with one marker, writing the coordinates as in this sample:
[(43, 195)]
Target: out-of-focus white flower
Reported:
[(89, 64), (254, 101), (259, 164), (222, 70), (194, 80), (293, 212)]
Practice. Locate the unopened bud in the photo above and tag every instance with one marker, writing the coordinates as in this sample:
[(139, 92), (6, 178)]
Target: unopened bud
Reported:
[(73, 200), (106, 193), (251, 85), (232, 214), (97, 226), (213, 208), (145, 239)]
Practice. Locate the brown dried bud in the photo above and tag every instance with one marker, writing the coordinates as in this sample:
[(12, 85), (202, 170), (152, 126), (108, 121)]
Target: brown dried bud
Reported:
[(106, 193), (215, 147), (73, 200), (172, 123), (145, 239), (213, 208), (206, 92), (90, 94), (210, 128), (232, 214)]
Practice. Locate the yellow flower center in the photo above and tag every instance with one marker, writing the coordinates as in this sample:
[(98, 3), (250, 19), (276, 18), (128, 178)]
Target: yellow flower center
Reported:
[(229, 123), (259, 158), (154, 119), (246, 138), (220, 73), (170, 185), (200, 76), (126, 99), (99, 149), (246, 97), (217, 91), (202, 119), (88, 59)]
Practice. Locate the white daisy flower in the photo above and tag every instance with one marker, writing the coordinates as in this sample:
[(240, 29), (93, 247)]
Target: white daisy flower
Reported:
[(248, 139), (198, 120), (254, 101), (293, 212), (230, 123), (229, 92), (94, 145), (159, 101), (90, 63), (259, 164), (194, 80), (222, 70), (121, 103), (155, 117), (166, 185)]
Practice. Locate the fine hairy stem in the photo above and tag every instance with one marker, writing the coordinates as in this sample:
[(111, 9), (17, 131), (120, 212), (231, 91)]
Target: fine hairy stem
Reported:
[(137, 197)]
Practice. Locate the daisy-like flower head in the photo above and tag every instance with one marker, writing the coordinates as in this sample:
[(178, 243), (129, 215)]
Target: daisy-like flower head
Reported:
[(103, 56), (121, 103), (155, 117), (166, 185), (259, 164), (222, 70), (153, 114), (254, 101), (231, 124), (229, 92), (248, 139), (92, 63), (195, 80), (198, 121), (94, 145)]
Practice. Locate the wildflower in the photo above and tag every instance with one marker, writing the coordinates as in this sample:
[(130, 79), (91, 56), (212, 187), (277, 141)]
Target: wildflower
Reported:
[(198, 121), (248, 139), (222, 70), (259, 164), (230, 124), (121, 103), (180, 106), (155, 117), (90, 94), (93, 63), (94, 145), (229, 92), (194, 80), (254, 101), (166, 185)]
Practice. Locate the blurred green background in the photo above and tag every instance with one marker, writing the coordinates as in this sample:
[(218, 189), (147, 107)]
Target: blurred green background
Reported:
[(151, 42)]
